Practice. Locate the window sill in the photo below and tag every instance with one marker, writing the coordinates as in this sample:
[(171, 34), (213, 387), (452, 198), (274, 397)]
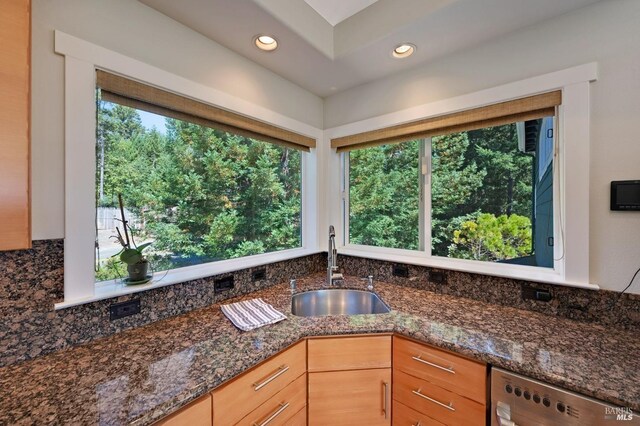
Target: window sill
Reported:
[(115, 288), (518, 272)]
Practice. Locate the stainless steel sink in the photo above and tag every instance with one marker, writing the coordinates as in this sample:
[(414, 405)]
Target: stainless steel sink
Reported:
[(336, 302)]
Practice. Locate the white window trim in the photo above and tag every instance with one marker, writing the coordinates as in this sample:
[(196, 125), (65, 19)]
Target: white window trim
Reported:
[(81, 60), (571, 194)]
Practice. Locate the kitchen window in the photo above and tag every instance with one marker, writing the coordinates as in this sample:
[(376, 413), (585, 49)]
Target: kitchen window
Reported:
[(478, 186), (195, 193), (163, 150), (196, 188)]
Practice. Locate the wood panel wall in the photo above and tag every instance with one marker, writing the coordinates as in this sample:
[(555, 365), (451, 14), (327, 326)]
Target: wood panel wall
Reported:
[(15, 111)]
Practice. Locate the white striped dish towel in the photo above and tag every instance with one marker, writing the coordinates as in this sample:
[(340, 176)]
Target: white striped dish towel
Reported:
[(250, 314)]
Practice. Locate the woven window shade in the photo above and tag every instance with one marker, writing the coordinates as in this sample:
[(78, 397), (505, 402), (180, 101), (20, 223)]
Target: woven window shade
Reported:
[(137, 95), (523, 109)]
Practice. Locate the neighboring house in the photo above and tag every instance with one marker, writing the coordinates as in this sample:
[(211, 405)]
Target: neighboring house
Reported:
[(536, 136)]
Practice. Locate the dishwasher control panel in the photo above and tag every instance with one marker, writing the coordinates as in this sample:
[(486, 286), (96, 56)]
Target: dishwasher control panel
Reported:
[(520, 401)]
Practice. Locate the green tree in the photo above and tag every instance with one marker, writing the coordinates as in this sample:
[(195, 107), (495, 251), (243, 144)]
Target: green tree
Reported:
[(455, 182), (492, 238), (384, 196), (507, 187), (202, 194), (117, 124)]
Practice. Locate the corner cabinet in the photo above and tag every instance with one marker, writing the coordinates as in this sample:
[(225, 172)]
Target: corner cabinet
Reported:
[(272, 393), (347, 380), (15, 107), (350, 380)]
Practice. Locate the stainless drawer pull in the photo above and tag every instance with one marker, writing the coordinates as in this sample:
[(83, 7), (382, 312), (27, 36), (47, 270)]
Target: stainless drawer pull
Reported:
[(448, 370), (417, 424), (448, 407), (281, 370), (275, 414), (386, 400)]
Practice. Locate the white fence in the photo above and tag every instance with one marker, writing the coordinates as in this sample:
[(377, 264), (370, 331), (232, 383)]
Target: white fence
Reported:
[(109, 217)]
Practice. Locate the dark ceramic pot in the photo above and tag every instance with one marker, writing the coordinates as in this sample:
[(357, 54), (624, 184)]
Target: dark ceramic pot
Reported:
[(138, 271)]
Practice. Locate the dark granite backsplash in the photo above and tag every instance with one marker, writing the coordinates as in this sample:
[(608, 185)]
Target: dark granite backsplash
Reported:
[(602, 307), (31, 281)]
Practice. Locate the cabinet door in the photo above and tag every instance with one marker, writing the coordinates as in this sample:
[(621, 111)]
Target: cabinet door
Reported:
[(15, 77), (350, 397)]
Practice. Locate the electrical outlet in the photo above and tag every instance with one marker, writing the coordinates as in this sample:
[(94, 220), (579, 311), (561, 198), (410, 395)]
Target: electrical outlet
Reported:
[(533, 293), (223, 284), (400, 271), (259, 275), (437, 277), (124, 309)]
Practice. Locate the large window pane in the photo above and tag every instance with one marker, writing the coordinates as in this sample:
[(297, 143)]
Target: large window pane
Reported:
[(492, 194), (384, 196), (198, 194)]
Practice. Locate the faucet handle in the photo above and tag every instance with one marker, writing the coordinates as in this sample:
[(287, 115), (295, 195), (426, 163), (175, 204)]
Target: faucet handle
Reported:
[(369, 280)]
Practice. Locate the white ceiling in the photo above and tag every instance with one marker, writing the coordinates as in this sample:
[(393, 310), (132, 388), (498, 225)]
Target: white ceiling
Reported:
[(336, 11), (326, 59)]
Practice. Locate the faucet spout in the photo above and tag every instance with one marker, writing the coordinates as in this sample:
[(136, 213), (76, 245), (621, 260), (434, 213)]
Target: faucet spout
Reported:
[(332, 258)]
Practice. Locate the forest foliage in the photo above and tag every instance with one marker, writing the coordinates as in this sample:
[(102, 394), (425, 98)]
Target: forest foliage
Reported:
[(201, 194), (481, 195), (204, 195)]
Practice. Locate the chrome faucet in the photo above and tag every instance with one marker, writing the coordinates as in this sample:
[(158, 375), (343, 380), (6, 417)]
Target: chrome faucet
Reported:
[(332, 258)]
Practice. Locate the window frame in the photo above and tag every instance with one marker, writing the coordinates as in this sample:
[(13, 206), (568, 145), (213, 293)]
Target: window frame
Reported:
[(81, 59), (425, 230), (571, 178)]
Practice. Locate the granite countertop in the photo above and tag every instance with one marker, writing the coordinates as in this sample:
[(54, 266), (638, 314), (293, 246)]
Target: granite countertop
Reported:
[(139, 376)]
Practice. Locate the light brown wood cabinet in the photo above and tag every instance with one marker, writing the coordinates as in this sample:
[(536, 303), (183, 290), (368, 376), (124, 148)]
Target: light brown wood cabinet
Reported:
[(256, 395), (15, 107), (280, 408), (197, 413), (350, 397), (405, 416), (350, 380), (347, 380), (445, 387)]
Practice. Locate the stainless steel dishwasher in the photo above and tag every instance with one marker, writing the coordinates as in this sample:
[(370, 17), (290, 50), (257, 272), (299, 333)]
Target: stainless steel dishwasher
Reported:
[(520, 401)]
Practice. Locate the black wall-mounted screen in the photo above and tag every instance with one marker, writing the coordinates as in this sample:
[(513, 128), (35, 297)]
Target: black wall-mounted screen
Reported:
[(625, 195)]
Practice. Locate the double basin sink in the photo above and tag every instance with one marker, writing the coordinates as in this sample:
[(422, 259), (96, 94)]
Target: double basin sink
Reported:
[(337, 302)]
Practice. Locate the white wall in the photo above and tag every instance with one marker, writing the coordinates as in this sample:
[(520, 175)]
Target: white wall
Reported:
[(133, 29), (607, 32)]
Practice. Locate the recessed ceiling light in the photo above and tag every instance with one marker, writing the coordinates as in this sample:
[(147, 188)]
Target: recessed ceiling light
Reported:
[(265, 42), (404, 50)]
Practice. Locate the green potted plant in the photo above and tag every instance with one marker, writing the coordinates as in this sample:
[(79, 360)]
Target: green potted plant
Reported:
[(131, 253)]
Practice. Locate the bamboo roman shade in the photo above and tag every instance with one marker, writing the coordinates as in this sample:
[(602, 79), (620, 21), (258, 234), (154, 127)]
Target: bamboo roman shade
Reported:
[(124, 91), (530, 108)]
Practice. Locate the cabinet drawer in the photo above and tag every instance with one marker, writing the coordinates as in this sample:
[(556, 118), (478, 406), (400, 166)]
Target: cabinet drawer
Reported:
[(299, 419), (439, 404), (460, 375), (236, 399), (281, 407), (405, 416), (355, 397), (198, 413), (349, 353)]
